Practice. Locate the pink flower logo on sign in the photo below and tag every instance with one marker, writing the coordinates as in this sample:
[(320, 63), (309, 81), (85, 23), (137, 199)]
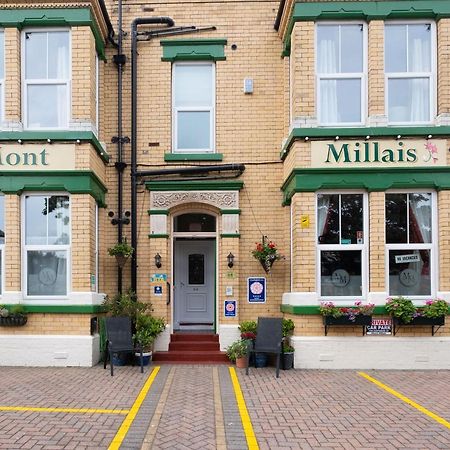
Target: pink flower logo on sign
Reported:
[(432, 152), (256, 288)]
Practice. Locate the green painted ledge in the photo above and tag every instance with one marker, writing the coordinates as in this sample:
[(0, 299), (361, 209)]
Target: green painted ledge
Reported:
[(158, 236), (53, 17), (193, 49), (230, 235), (314, 310), (168, 157), (371, 10), (73, 181), (194, 185), (62, 309), (230, 211), (158, 212), (371, 179), (361, 134), (57, 136)]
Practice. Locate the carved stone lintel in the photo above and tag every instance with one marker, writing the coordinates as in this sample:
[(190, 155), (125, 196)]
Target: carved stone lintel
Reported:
[(219, 199)]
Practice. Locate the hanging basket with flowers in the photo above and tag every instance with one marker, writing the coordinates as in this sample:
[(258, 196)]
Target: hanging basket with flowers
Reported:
[(266, 253)]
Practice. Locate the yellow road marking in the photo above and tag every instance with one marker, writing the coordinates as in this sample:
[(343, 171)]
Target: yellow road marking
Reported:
[(406, 400), (245, 418), (65, 410), (126, 424)]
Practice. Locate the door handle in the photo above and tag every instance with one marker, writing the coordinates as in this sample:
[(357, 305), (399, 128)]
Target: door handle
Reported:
[(168, 293)]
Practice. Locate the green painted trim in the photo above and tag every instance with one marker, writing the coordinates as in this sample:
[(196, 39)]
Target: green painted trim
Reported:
[(193, 157), (57, 136), (156, 212), (230, 235), (194, 185), (73, 181), (310, 310), (367, 178), (53, 17), (230, 211), (64, 309), (193, 49), (361, 133), (157, 236), (371, 10)]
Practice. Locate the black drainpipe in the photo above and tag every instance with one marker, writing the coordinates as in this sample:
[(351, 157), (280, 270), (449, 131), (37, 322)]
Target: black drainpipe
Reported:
[(134, 26)]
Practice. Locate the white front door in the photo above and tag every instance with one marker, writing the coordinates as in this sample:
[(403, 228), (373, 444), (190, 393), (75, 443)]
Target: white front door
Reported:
[(194, 294)]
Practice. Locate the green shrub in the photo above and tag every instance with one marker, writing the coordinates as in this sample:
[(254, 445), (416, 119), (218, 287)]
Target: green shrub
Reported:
[(237, 349)]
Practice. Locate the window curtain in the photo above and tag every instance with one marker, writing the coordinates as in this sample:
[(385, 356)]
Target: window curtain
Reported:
[(62, 65), (327, 63), (420, 225), (419, 53), (323, 203)]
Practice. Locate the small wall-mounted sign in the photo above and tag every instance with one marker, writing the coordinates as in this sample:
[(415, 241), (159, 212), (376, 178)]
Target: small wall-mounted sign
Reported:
[(229, 291), (158, 278), (380, 326), (230, 308), (157, 290), (256, 290), (304, 221)]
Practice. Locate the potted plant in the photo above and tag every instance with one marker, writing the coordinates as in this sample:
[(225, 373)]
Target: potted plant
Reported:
[(287, 361), (266, 253), (405, 312), (148, 328), (15, 316), (237, 352), (122, 251)]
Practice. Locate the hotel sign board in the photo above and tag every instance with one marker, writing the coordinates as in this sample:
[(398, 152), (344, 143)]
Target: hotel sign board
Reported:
[(30, 157), (379, 153)]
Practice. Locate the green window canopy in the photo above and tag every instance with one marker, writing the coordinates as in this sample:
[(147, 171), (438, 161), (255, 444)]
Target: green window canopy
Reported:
[(193, 49)]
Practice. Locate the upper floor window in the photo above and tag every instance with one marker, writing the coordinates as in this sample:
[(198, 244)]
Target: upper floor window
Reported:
[(409, 72), (2, 239), (340, 69), (2, 72), (46, 75), (193, 105)]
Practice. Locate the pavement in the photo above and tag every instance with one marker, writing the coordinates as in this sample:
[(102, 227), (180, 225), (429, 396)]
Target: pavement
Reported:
[(219, 407)]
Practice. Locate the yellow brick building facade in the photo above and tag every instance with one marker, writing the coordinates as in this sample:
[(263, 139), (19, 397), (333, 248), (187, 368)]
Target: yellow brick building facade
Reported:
[(205, 129)]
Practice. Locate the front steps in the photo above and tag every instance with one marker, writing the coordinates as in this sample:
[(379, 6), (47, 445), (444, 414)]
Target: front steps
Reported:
[(186, 348)]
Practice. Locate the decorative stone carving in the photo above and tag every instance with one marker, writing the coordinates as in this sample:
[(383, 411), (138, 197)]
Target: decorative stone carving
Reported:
[(219, 199)]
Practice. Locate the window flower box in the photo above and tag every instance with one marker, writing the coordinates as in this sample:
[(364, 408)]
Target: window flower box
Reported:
[(420, 321), (13, 321), (359, 320)]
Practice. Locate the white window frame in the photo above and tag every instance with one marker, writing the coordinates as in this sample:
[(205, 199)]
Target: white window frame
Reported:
[(46, 82), (206, 108), (27, 247), (432, 247), (2, 81), (364, 248), (97, 94), (432, 75), (343, 76), (2, 249)]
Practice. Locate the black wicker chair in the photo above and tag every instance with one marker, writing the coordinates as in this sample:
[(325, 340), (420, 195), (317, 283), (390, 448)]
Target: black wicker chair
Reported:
[(119, 340), (269, 337)]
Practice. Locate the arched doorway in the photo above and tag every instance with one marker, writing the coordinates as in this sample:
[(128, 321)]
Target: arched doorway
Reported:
[(194, 271)]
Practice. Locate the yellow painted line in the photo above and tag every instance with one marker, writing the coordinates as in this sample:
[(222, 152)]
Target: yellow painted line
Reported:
[(126, 424), (406, 400), (65, 410), (245, 418)]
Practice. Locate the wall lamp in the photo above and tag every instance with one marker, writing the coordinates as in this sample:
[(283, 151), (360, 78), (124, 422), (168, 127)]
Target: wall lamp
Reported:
[(230, 260), (158, 260)]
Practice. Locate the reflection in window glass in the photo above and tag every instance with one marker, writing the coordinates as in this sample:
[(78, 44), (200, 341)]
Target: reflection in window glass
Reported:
[(196, 269), (2, 219), (47, 273), (340, 273), (189, 223)]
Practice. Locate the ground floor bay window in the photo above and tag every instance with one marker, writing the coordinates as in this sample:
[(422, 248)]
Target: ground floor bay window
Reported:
[(410, 229), (341, 245), (47, 245)]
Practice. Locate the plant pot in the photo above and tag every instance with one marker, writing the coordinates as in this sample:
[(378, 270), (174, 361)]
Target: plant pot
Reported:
[(13, 321), (267, 263), (344, 320), (241, 363), (119, 359), (121, 260), (260, 359), (146, 358), (287, 361), (417, 321)]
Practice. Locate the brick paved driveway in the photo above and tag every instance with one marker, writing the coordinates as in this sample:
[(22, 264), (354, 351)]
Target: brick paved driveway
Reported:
[(194, 407)]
